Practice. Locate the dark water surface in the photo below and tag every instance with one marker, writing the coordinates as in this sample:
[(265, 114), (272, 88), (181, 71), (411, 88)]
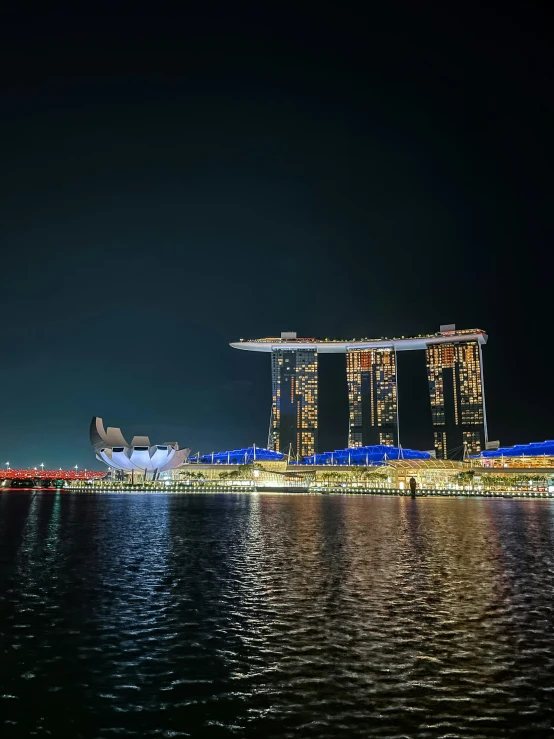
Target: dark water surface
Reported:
[(275, 616)]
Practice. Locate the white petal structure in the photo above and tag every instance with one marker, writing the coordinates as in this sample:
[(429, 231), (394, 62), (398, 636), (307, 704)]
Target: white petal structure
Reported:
[(139, 456)]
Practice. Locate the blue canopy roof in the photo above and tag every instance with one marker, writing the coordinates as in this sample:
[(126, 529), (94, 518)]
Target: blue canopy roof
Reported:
[(365, 455), (247, 455), (534, 449)]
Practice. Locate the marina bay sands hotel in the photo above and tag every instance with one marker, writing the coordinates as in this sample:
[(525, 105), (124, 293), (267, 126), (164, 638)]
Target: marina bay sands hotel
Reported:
[(454, 372)]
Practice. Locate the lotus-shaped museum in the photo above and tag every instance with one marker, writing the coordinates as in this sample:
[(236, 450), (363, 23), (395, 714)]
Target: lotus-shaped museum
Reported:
[(138, 456)]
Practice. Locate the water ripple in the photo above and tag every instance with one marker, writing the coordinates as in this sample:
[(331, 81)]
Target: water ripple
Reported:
[(275, 616)]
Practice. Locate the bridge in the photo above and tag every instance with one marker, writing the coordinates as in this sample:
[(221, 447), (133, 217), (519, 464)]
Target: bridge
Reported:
[(35, 477)]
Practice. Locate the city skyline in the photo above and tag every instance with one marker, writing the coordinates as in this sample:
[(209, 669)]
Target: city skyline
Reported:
[(454, 367)]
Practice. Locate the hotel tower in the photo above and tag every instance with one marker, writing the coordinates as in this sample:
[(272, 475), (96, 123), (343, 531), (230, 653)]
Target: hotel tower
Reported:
[(293, 425), (455, 378), (372, 401)]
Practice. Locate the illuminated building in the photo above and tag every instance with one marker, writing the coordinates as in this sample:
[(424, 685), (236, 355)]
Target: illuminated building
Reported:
[(455, 374), (379, 454), (455, 379), (247, 455), (372, 398), (539, 454), (294, 406), (138, 456)]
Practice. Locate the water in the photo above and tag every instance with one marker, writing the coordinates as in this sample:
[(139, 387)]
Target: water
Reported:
[(275, 616)]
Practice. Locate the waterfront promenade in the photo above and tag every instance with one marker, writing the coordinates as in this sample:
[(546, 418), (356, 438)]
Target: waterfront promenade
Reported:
[(291, 488)]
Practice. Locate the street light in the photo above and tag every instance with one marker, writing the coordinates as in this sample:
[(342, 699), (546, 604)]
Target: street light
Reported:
[(42, 466), (7, 465)]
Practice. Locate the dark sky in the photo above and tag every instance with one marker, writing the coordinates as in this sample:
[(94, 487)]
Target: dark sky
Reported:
[(170, 184)]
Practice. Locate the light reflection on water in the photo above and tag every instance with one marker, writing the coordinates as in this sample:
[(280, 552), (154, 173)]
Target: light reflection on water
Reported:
[(275, 615)]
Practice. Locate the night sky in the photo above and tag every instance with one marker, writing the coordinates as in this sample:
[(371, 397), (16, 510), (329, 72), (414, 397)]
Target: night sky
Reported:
[(169, 185)]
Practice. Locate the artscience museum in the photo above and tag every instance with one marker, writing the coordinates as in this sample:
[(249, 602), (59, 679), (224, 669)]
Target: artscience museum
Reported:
[(139, 456)]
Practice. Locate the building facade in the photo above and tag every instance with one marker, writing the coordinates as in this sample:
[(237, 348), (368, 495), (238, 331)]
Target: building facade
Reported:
[(456, 393), (455, 379), (372, 397), (294, 411)]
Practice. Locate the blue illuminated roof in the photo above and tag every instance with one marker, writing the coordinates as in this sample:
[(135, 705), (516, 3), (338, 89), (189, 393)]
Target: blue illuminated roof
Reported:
[(240, 456), (365, 455), (534, 449)]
